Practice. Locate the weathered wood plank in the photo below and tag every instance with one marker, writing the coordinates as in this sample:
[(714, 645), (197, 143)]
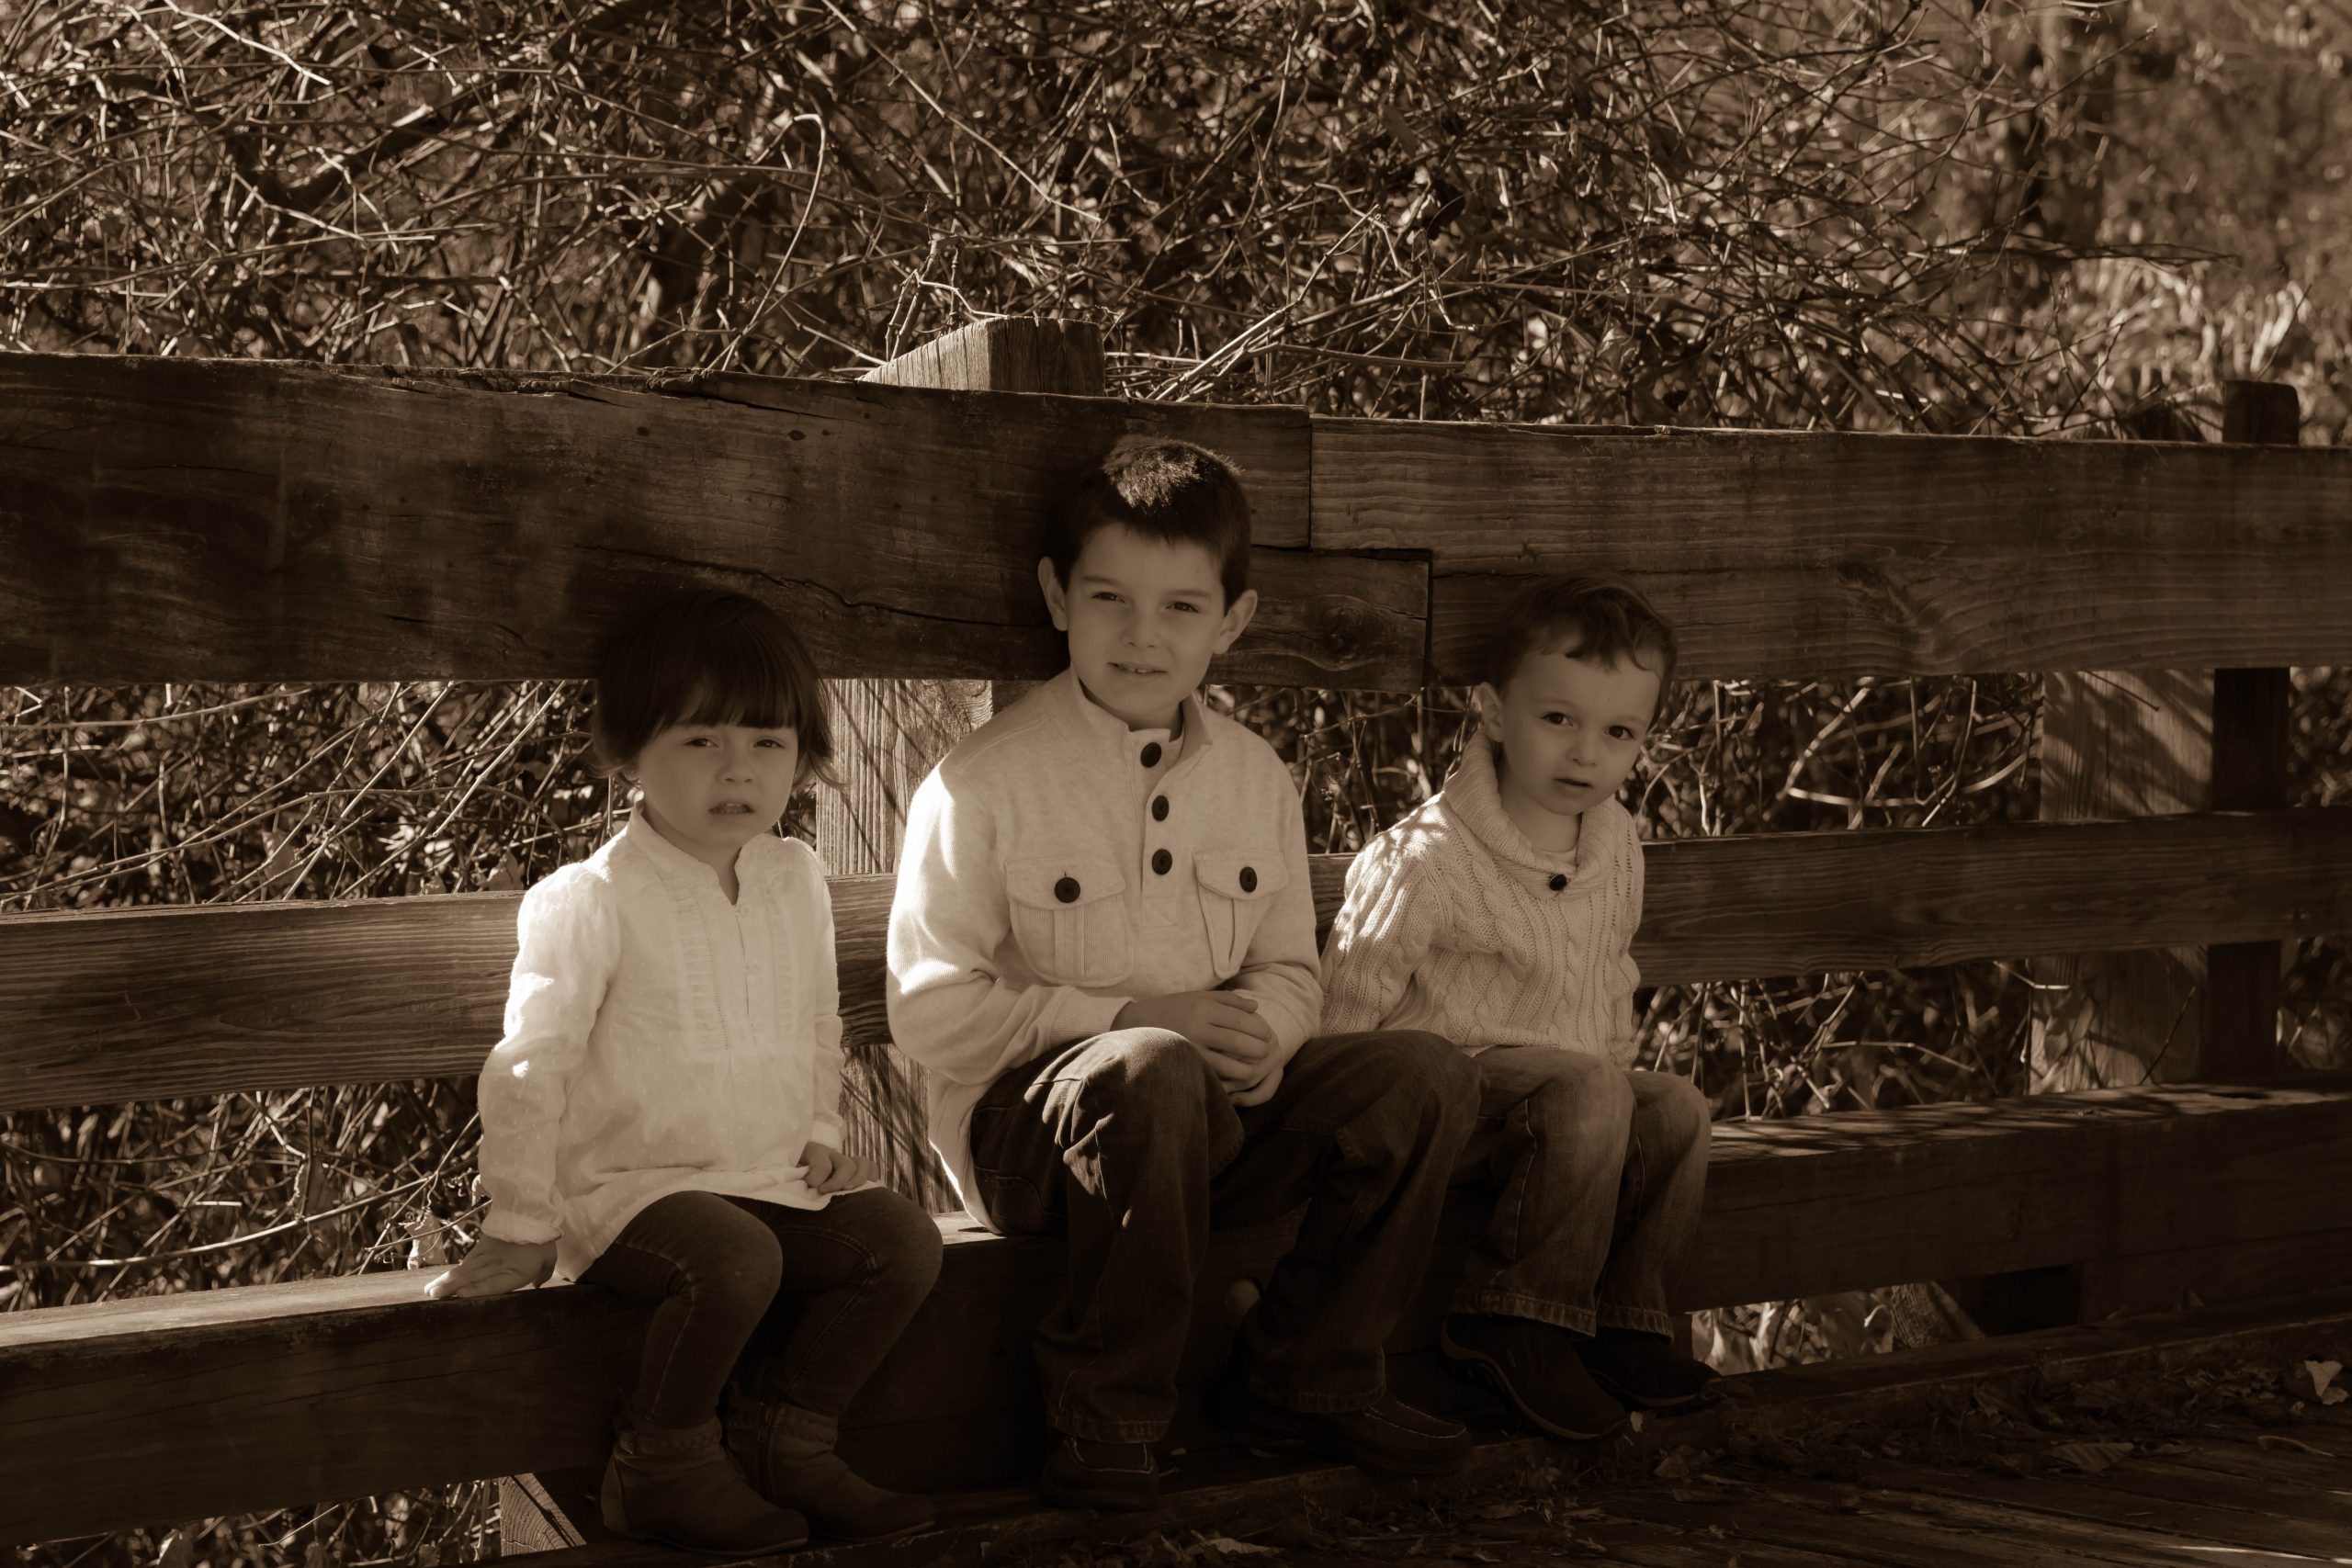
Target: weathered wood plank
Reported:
[(228, 1400), (1818, 554), (154, 1003), (164, 519)]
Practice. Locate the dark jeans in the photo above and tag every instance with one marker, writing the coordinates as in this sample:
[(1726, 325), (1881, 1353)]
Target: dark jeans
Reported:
[(1128, 1143), (1597, 1174), (805, 1300)]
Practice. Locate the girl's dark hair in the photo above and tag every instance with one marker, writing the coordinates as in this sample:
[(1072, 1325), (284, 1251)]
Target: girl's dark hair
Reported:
[(1593, 616), (1172, 491), (705, 657)]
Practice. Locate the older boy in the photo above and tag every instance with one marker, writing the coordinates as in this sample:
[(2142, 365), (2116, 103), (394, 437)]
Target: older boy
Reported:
[(1102, 948), (1499, 913)]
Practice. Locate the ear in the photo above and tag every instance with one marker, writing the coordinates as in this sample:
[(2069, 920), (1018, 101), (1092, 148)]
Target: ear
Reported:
[(1490, 711), (1238, 616), (1049, 582)]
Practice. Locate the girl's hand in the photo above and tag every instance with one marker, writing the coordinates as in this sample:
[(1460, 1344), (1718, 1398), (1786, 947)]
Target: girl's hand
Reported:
[(495, 1267), (831, 1170)]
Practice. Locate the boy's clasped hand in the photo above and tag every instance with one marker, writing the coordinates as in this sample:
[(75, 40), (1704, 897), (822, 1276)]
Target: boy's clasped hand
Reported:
[(1225, 1028)]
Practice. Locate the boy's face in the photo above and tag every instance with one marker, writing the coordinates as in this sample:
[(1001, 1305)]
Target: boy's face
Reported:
[(1570, 729), (1144, 620), (712, 788)]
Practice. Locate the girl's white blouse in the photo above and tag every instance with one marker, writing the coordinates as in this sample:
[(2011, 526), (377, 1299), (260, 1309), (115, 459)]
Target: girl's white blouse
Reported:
[(660, 1039)]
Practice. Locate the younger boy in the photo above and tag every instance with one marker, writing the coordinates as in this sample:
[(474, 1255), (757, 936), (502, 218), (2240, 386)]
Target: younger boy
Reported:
[(1102, 948), (1499, 913)]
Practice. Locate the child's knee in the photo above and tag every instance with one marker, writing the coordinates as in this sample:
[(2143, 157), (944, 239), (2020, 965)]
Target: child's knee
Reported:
[(909, 1250), (1576, 1103), (1153, 1073), (1674, 1113)]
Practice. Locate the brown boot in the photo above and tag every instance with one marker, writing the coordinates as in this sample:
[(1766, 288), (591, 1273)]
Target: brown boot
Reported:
[(804, 1473), (676, 1485)]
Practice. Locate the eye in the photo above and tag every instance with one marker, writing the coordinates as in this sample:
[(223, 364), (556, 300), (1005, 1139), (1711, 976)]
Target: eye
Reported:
[(1186, 605), (1620, 732), (1106, 596), (700, 741), (776, 740)]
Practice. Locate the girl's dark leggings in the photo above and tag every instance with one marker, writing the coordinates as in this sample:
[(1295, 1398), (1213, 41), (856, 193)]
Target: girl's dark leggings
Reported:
[(805, 1300)]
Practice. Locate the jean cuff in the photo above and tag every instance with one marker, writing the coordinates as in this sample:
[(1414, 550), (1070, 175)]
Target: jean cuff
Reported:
[(1640, 1320), (1093, 1431), (1538, 1309), (802, 1422)]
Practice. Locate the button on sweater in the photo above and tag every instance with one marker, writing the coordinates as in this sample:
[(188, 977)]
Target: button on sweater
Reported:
[(1453, 922), (660, 1039)]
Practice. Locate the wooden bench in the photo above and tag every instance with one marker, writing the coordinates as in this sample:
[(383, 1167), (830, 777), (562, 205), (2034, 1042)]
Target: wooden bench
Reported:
[(244, 522)]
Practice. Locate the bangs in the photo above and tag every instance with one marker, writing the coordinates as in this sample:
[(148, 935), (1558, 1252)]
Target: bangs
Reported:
[(707, 658), (753, 689)]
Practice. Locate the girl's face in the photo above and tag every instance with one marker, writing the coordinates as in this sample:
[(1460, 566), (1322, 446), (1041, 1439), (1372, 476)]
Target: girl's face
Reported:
[(712, 788)]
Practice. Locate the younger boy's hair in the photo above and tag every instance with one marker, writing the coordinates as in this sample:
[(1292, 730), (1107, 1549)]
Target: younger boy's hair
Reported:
[(1173, 491), (707, 657), (1593, 614)]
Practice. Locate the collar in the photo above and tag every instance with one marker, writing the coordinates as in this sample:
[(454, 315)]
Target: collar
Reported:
[(1104, 733), (671, 862), (1476, 796)]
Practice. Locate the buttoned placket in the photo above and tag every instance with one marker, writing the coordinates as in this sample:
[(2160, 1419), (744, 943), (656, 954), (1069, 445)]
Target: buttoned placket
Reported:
[(1161, 758)]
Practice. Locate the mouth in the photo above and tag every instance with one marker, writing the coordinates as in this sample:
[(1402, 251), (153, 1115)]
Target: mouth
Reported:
[(730, 808), (1139, 671), (1572, 783)]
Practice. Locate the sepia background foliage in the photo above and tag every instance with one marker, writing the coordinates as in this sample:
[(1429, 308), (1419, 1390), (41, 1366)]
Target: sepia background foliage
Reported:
[(1959, 216)]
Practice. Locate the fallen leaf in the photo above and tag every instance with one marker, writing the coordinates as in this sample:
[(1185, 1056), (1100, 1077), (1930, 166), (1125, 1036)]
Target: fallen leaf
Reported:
[(2322, 1376), (2273, 1440), (1227, 1546), (1673, 1467), (2090, 1458), (1502, 1510)]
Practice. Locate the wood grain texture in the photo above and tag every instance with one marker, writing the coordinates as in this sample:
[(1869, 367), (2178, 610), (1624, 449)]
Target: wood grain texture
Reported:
[(165, 519), (223, 1401), (1785, 555), (151, 1003)]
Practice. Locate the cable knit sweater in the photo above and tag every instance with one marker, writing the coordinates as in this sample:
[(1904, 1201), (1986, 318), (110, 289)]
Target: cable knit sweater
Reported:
[(1452, 923)]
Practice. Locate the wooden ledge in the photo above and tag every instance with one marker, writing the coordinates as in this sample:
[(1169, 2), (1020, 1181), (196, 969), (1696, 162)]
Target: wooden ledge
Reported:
[(162, 1408)]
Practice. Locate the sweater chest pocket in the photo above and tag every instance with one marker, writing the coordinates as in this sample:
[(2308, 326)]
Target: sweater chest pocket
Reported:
[(1237, 888), (1070, 915)]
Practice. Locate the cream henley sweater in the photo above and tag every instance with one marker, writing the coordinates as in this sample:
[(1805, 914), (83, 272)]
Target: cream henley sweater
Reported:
[(660, 1040), (1452, 924), (1042, 886)]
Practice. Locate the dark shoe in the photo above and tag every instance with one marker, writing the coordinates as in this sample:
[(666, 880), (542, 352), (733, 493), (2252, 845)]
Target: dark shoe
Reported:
[(1537, 1367), (1083, 1473), (1390, 1436), (803, 1472), (676, 1485), (1646, 1371)]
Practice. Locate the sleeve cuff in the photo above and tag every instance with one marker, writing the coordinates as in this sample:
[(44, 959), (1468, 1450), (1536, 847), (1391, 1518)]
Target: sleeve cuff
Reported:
[(1084, 1015), (826, 1131), (501, 1226)]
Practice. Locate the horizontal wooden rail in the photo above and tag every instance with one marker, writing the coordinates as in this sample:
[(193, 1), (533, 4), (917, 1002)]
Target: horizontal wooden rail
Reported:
[(165, 519), (154, 1003), (1803, 556), (161, 1408), (183, 520)]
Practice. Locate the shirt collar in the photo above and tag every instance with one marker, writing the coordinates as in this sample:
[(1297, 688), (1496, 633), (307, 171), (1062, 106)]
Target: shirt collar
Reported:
[(1104, 733), (1475, 796), (673, 862)]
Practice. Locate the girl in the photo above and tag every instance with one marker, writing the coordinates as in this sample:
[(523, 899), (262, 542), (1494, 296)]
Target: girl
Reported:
[(660, 1118)]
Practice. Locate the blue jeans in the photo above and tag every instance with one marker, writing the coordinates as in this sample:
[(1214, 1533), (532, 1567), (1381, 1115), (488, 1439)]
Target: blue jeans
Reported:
[(800, 1304), (1597, 1174), (1127, 1143)]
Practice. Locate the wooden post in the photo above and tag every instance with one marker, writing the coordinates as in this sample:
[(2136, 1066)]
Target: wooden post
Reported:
[(2141, 743), (2249, 775), (890, 734), (2138, 743)]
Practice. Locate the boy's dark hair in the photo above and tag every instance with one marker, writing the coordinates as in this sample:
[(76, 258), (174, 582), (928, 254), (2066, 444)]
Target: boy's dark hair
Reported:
[(1173, 491), (1593, 616), (705, 657)]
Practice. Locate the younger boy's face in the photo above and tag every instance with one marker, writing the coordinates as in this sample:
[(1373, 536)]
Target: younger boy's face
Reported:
[(712, 788), (1143, 619), (1569, 730)]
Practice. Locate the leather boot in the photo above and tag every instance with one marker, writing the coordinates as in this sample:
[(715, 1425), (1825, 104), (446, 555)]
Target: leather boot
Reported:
[(676, 1485), (804, 1473)]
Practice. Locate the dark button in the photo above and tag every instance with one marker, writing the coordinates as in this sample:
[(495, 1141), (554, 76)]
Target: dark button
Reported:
[(1151, 755), (1067, 890), (1159, 809), (1248, 879), (1559, 880), (1161, 860)]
